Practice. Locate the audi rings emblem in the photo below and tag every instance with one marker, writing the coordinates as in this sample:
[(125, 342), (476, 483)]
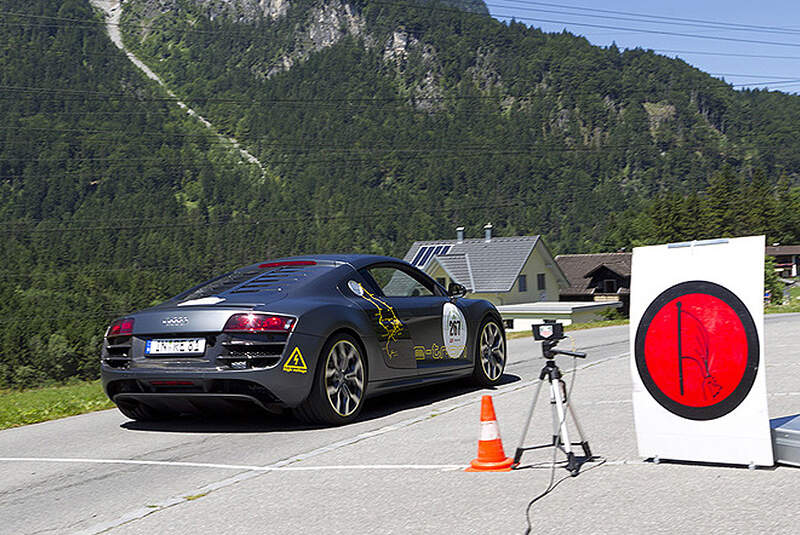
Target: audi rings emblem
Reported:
[(175, 321)]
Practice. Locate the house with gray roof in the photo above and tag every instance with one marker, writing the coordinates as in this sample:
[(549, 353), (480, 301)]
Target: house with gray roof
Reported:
[(503, 270), (597, 277)]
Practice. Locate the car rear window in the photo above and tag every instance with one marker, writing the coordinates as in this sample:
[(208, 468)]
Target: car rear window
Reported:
[(257, 278), (221, 284), (281, 278)]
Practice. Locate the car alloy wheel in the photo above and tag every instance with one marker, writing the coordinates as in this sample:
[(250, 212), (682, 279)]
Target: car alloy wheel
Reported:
[(344, 378), (492, 351)]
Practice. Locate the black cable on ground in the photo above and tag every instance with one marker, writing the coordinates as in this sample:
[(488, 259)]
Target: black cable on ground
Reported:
[(552, 484)]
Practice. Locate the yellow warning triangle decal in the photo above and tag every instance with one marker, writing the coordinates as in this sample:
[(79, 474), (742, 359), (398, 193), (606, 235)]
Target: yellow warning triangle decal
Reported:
[(295, 362)]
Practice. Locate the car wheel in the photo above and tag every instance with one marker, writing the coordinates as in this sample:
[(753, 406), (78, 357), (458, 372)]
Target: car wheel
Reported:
[(340, 382), (142, 413), (490, 353)]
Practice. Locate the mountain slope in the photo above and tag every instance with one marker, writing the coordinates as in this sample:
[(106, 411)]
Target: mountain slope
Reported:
[(112, 10), (388, 78), (103, 189)]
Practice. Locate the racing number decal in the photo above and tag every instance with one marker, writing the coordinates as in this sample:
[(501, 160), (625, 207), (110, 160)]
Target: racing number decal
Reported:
[(454, 330), (455, 327), (295, 362), (697, 350)]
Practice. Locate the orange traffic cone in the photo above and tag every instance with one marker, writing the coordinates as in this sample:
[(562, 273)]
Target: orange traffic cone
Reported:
[(491, 457)]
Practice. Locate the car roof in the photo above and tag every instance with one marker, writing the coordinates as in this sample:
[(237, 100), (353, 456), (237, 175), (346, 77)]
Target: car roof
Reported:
[(356, 260)]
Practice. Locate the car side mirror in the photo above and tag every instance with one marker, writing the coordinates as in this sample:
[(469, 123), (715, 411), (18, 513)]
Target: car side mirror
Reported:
[(456, 290)]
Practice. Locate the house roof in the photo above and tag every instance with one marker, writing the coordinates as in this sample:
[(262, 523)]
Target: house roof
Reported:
[(457, 266), (494, 265), (776, 250), (579, 268), (622, 269)]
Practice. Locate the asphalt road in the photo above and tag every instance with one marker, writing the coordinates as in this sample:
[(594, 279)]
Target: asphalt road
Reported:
[(398, 469)]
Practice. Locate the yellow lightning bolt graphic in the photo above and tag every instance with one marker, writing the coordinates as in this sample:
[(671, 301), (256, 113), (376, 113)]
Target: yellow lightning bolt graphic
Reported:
[(387, 319)]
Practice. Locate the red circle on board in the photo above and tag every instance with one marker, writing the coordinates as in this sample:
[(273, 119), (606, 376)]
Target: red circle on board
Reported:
[(706, 362)]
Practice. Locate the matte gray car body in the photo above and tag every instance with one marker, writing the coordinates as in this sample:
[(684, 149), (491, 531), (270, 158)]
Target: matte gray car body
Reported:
[(401, 337)]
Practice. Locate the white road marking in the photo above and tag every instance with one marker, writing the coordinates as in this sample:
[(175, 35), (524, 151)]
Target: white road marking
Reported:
[(181, 464), (142, 512)]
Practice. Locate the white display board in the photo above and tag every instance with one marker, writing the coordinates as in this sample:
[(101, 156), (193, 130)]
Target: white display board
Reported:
[(697, 351)]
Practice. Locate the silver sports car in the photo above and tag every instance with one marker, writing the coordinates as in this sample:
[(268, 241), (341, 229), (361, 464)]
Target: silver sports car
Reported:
[(316, 334)]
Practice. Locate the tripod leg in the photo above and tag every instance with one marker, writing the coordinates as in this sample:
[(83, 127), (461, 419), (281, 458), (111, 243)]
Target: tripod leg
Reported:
[(559, 392), (518, 453), (584, 443), (560, 420), (554, 413)]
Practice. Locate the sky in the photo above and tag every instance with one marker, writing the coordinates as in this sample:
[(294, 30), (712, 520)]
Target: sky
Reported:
[(746, 43)]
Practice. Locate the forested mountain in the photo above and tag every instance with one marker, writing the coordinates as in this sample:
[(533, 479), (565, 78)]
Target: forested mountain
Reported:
[(99, 192), (428, 106), (376, 122)]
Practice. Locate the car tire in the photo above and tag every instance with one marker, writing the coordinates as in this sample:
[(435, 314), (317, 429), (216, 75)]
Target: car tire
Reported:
[(340, 382), (490, 353), (142, 413)]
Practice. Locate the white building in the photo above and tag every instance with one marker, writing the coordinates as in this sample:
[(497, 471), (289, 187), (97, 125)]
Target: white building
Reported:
[(518, 274), (505, 271)]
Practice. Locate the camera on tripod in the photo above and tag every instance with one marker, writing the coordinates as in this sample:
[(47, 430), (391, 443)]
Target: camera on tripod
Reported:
[(550, 333), (549, 330)]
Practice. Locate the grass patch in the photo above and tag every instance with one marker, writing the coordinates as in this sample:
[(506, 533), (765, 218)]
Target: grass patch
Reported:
[(781, 309), (792, 304), (593, 324), (48, 403), (575, 327)]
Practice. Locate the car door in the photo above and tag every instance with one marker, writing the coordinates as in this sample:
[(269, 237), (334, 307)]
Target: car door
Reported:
[(389, 321), (419, 303)]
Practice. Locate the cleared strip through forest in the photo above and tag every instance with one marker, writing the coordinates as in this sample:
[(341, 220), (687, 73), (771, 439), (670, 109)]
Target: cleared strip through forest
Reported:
[(113, 12)]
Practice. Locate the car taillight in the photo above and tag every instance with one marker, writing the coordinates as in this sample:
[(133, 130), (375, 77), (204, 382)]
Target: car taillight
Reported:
[(123, 327), (258, 323)]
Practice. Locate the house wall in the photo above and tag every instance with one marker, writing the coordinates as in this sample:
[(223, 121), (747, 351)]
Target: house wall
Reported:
[(604, 274), (438, 274), (787, 264), (534, 265)]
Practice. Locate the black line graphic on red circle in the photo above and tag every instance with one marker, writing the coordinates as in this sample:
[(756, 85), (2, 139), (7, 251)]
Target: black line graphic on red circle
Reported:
[(697, 350)]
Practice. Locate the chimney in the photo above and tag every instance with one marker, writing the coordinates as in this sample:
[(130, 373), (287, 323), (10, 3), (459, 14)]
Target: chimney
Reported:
[(460, 234), (488, 230)]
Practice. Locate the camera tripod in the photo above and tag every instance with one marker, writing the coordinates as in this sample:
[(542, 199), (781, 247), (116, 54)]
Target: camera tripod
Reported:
[(559, 406)]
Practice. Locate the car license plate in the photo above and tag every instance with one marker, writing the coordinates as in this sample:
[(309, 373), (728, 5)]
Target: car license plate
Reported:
[(175, 346)]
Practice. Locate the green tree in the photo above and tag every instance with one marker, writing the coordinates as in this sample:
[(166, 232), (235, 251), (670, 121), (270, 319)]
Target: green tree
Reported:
[(772, 283)]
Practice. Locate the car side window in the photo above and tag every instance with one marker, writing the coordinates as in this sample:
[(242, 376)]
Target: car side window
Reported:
[(394, 282)]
